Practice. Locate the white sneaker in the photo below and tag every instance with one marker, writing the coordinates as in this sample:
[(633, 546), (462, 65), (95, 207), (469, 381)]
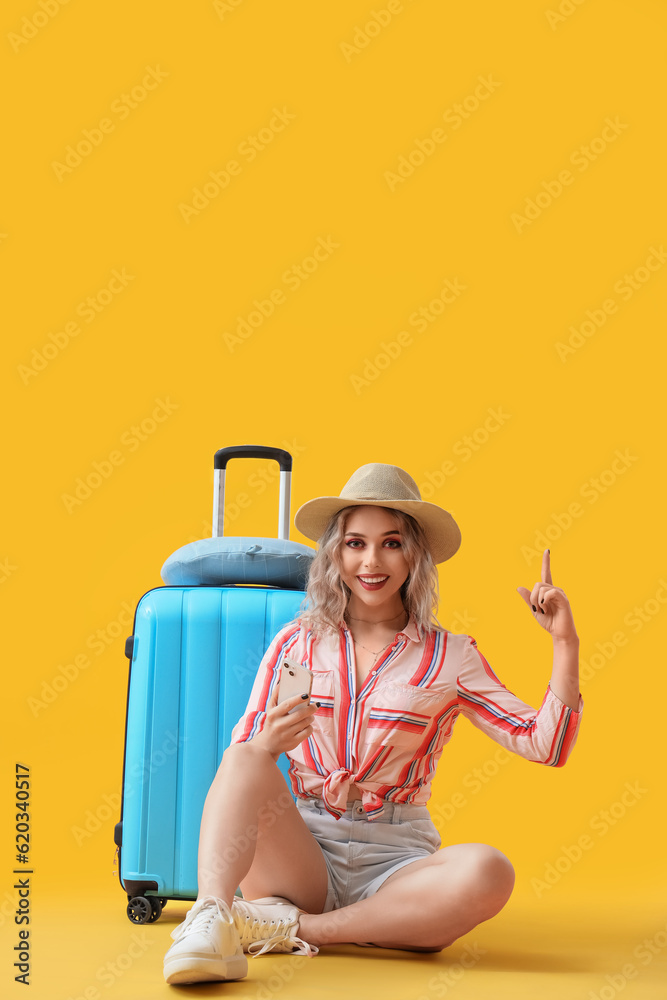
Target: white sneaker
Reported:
[(206, 946), (269, 924)]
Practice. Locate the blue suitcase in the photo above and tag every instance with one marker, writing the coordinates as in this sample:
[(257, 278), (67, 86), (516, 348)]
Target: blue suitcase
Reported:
[(194, 653)]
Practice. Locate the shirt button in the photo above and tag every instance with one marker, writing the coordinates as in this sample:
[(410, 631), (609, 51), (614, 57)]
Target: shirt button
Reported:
[(373, 673)]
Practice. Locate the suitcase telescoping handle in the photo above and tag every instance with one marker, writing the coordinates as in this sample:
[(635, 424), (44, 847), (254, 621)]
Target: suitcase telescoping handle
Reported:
[(222, 457)]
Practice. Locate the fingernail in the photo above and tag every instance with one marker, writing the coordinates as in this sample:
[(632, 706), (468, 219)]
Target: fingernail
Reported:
[(542, 601), (549, 551), (304, 696), (317, 704), (533, 607), (543, 611)]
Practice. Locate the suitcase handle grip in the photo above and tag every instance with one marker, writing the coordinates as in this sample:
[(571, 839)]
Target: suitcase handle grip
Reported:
[(220, 460), (223, 456)]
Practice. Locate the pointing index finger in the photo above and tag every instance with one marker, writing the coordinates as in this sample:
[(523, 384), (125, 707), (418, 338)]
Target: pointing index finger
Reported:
[(546, 567)]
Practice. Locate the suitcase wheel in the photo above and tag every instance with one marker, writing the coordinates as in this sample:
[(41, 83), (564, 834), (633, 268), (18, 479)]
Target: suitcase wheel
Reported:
[(144, 909)]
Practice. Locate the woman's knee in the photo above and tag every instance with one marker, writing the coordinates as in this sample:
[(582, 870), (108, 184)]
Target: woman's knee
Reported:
[(485, 875), (249, 766), (493, 875), (255, 769), (487, 882), (240, 756)]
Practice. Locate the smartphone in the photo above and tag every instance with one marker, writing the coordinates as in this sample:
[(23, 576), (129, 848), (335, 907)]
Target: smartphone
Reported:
[(294, 679)]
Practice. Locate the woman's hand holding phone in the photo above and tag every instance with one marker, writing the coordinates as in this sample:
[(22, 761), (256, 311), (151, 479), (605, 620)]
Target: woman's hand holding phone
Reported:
[(287, 724)]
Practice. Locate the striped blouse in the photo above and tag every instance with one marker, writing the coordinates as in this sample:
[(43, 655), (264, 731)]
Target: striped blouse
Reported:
[(387, 736)]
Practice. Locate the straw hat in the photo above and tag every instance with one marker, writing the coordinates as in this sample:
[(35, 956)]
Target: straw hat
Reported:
[(384, 486)]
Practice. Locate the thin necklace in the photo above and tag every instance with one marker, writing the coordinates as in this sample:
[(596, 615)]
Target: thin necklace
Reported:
[(357, 643)]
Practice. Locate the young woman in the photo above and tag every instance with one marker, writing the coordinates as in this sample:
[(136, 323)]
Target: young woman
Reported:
[(357, 859)]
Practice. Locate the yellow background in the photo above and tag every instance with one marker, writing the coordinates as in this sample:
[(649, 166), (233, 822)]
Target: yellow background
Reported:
[(70, 569)]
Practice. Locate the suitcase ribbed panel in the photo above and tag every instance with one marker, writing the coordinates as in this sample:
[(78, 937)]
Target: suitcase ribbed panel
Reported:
[(195, 657), (201, 688)]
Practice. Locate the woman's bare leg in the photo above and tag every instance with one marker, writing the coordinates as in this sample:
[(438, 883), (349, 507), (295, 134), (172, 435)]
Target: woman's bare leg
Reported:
[(252, 835), (424, 906)]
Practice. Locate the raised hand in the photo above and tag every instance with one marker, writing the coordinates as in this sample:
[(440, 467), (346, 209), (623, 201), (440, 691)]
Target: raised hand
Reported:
[(549, 604)]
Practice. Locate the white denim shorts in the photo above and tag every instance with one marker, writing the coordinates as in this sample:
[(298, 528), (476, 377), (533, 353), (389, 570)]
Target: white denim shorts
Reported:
[(359, 853)]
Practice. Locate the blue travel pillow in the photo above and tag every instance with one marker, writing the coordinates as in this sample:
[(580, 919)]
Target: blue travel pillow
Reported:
[(273, 562)]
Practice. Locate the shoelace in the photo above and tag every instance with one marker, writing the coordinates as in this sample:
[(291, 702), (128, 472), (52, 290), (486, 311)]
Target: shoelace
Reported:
[(259, 935), (201, 915)]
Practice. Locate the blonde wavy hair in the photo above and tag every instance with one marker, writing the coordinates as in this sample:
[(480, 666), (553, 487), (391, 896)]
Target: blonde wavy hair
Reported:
[(327, 595)]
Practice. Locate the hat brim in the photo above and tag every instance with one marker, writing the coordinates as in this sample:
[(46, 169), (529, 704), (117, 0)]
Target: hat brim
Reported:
[(442, 532)]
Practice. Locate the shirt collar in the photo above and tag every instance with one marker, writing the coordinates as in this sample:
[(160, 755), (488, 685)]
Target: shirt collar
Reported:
[(412, 630)]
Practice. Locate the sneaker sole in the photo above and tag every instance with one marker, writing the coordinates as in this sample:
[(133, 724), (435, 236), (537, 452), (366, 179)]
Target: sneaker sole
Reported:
[(199, 969)]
